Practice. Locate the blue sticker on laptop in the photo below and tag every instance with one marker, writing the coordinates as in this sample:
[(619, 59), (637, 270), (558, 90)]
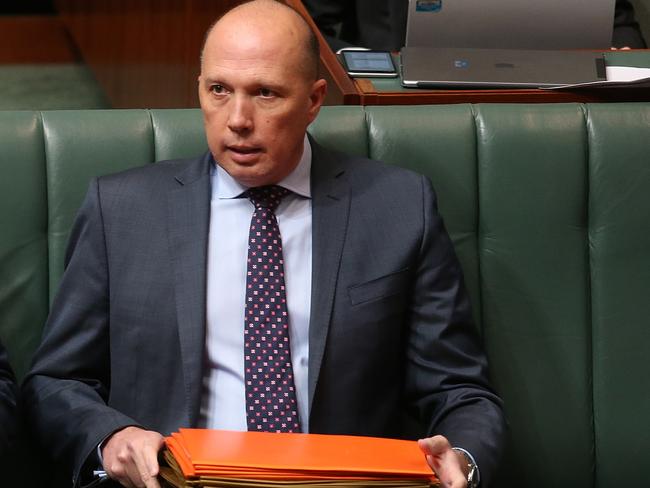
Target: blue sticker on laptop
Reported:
[(428, 5), (461, 64)]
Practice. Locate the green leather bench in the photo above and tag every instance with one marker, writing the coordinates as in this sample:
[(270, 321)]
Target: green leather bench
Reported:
[(549, 210)]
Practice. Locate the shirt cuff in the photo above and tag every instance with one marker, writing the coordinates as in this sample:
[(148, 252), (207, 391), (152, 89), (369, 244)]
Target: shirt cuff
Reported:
[(99, 453)]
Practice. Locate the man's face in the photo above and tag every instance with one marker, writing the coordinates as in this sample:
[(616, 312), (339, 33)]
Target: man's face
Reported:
[(257, 100)]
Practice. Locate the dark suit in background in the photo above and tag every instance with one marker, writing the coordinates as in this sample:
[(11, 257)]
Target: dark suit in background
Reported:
[(381, 24), (393, 351), (626, 29), (376, 24), (8, 409)]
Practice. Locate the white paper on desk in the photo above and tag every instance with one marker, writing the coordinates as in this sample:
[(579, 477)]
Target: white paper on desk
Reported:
[(617, 77), (626, 73)]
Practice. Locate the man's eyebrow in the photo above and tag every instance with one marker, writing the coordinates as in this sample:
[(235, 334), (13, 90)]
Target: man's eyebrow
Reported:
[(212, 79), (251, 83), (269, 84)]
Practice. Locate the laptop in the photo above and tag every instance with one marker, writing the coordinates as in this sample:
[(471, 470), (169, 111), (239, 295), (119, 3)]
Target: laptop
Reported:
[(423, 67), (511, 24)]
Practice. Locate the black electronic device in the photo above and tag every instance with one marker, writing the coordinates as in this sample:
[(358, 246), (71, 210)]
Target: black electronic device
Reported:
[(368, 63)]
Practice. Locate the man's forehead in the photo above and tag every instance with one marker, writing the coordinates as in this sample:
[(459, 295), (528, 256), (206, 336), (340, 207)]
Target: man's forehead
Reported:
[(247, 48), (254, 51), (261, 64)]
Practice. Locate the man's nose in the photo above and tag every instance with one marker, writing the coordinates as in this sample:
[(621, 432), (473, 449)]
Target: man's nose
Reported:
[(240, 118)]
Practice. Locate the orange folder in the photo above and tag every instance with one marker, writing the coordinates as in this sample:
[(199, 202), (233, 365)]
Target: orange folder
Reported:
[(208, 453)]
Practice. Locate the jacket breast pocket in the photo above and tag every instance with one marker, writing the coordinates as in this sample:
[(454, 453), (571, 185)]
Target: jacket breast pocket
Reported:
[(382, 287)]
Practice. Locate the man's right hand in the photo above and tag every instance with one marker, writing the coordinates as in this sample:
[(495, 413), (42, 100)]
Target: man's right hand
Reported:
[(130, 457)]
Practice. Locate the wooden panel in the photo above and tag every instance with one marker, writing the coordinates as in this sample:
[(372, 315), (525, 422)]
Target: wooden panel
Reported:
[(35, 39), (144, 53)]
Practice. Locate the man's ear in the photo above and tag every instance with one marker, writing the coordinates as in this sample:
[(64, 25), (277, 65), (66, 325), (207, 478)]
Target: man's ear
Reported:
[(199, 81), (317, 97)]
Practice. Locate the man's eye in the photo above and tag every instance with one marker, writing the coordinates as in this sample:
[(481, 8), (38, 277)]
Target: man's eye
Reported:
[(217, 89), (266, 93)]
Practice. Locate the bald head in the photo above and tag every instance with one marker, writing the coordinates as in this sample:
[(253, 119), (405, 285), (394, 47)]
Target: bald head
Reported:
[(259, 91), (275, 19)]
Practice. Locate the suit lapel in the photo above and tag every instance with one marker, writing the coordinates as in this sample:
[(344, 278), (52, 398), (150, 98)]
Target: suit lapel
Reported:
[(189, 217), (330, 208)]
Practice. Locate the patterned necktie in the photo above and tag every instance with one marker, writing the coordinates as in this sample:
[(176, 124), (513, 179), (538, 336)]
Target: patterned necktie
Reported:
[(271, 404)]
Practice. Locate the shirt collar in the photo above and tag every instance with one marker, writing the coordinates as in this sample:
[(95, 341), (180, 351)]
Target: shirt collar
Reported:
[(298, 181)]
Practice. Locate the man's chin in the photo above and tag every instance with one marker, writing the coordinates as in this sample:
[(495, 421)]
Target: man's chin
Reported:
[(243, 159), (247, 175)]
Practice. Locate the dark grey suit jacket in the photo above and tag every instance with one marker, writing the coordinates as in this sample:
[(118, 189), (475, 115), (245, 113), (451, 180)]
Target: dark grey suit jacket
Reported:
[(8, 413), (392, 348)]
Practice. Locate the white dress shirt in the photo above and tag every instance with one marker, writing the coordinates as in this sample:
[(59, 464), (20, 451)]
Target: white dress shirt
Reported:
[(223, 402)]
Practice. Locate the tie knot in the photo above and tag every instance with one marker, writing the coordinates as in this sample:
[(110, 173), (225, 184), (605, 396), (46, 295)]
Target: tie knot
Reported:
[(268, 197)]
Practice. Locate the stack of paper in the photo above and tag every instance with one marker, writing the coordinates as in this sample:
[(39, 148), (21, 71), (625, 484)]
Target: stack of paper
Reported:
[(201, 457)]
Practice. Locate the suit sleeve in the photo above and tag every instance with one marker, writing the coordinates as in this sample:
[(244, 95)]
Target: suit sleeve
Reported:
[(66, 391), (447, 377), (8, 414), (626, 29)]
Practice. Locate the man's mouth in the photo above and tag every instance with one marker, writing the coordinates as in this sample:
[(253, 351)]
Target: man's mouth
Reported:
[(244, 154), (244, 149)]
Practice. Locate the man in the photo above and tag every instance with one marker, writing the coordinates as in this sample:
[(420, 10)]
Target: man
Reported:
[(152, 326)]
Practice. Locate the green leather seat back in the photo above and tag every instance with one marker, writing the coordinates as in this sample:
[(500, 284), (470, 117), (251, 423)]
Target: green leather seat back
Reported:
[(342, 128), (532, 165), (23, 236), (177, 134), (548, 209), (80, 145), (619, 246)]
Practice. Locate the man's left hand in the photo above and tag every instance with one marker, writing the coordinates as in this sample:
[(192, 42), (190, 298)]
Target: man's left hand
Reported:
[(449, 465)]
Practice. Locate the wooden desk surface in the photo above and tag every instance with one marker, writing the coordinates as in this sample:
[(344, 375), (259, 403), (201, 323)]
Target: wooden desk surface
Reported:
[(370, 94)]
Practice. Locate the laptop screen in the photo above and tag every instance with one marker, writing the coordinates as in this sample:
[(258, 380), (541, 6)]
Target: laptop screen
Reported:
[(511, 24)]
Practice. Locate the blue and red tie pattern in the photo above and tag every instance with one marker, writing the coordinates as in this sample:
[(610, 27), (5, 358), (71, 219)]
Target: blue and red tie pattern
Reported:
[(271, 404)]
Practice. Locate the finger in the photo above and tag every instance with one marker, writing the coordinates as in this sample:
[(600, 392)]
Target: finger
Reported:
[(443, 461), (122, 475), (127, 469), (130, 465), (146, 463), (435, 445), (450, 477), (133, 475), (432, 460), (149, 472), (117, 465), (450, 471)]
